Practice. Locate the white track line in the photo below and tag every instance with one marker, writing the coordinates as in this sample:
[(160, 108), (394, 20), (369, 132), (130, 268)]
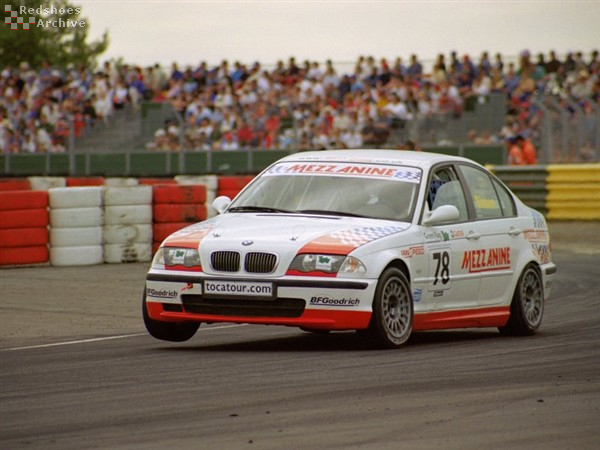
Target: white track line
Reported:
[(107, 338)]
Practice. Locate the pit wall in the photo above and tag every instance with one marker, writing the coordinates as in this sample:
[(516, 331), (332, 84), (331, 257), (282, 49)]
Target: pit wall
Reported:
[(65, 221)]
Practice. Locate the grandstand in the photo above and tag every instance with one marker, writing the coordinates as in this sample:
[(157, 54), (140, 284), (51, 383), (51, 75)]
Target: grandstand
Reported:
[(295, 106)]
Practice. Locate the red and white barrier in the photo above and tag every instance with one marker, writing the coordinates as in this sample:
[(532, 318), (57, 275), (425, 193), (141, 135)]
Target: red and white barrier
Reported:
[(23, 227), (175, 207), (76, 219), (96, 219), (128, 224)]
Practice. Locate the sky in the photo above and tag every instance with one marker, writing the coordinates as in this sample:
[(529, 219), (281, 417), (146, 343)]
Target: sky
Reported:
[(144, 32)]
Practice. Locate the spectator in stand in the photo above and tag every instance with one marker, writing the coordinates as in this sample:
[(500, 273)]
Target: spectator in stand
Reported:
[(439, 72), (229, 142), (583, 86), (553, 63), (527, 150), (415, 69), (515, 154)]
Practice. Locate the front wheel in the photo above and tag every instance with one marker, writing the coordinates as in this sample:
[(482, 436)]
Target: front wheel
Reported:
[(527, 306), (392, 318), (168, 331)]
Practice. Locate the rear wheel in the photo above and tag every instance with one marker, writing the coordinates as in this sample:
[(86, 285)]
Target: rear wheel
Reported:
[(392, 318), (527, 306), (168, 331)]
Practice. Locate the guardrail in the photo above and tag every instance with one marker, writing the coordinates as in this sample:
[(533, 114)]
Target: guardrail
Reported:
[(161, 163)]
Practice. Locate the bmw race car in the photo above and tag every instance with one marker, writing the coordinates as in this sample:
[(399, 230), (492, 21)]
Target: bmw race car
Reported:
[(384, 242)]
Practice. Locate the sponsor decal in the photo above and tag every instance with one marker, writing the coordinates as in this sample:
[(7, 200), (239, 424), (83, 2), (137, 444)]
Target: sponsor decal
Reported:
[(348, 169), (538, 220), (486, 259), (417, 294), (162, 293), (415, 250), (323, 262), (328, 301), (199, 229), (456, 234), (248, 288), (187, 287), (541, 252), (438, 293), (536, 236), (343, 242), (432, 235)]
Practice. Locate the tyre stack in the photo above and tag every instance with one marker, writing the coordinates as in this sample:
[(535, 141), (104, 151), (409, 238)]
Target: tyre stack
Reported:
[(23, 227), (84, 181), (175, 207), (46, 183), (127, 224), (14, 184), (211, 182), (232, 185), (76, 219)]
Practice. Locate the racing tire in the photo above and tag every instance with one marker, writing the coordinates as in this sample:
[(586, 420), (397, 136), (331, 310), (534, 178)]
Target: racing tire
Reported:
[(392, 318), (527, 306), (168, 331)]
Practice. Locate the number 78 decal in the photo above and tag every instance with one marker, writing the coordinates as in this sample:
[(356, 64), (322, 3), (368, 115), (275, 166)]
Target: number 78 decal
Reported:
[(439, 270)]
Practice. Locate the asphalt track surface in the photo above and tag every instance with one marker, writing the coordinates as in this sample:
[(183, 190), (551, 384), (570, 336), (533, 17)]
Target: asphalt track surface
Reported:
[(77, 371)]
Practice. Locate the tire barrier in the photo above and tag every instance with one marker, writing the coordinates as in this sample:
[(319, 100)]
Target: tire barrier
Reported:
[(127, 235), (175, 207), (195, 194), (230, 184), (210, 181), (573, 192), (23, 227), (14, 184), (153, 181), (121, 182), (76, 219), (84, 181), (46, 183)]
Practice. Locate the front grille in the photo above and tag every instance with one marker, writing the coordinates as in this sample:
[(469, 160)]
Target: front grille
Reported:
[(260, 262), (225, 261), (282, 307)]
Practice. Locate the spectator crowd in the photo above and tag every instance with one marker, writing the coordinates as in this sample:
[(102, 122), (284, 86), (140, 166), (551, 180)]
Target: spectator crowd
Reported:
[(305, 105)]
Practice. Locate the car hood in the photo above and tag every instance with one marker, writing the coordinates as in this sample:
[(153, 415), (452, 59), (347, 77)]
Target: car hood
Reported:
[(283, 233)]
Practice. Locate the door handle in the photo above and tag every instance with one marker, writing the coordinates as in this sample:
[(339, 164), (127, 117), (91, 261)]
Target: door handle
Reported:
[(473, 235), (514, 231)]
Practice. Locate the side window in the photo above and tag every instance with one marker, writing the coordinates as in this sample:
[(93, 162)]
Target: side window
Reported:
[(508, 207), (445, 189), (485, 199)]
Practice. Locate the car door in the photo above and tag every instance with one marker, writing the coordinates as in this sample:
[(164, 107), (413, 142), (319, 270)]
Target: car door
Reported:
[(448, 287), (493, 236)]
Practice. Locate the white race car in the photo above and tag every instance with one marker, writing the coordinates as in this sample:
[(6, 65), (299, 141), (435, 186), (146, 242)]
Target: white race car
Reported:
[(383, 242)]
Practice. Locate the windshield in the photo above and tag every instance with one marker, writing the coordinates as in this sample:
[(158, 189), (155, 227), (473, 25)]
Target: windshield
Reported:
[(353, 189)]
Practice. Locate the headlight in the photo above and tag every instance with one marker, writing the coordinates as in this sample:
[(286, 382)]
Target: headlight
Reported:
[(174, 256), (327, 263)]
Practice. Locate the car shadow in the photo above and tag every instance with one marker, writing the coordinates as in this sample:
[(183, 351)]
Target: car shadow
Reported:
[(336, 342)]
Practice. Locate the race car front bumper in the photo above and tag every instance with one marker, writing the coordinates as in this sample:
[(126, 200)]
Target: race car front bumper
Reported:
[(308, 302)]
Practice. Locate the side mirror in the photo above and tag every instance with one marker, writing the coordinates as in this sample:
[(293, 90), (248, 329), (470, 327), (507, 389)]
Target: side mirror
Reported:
[(221, 203), (445, 213)]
